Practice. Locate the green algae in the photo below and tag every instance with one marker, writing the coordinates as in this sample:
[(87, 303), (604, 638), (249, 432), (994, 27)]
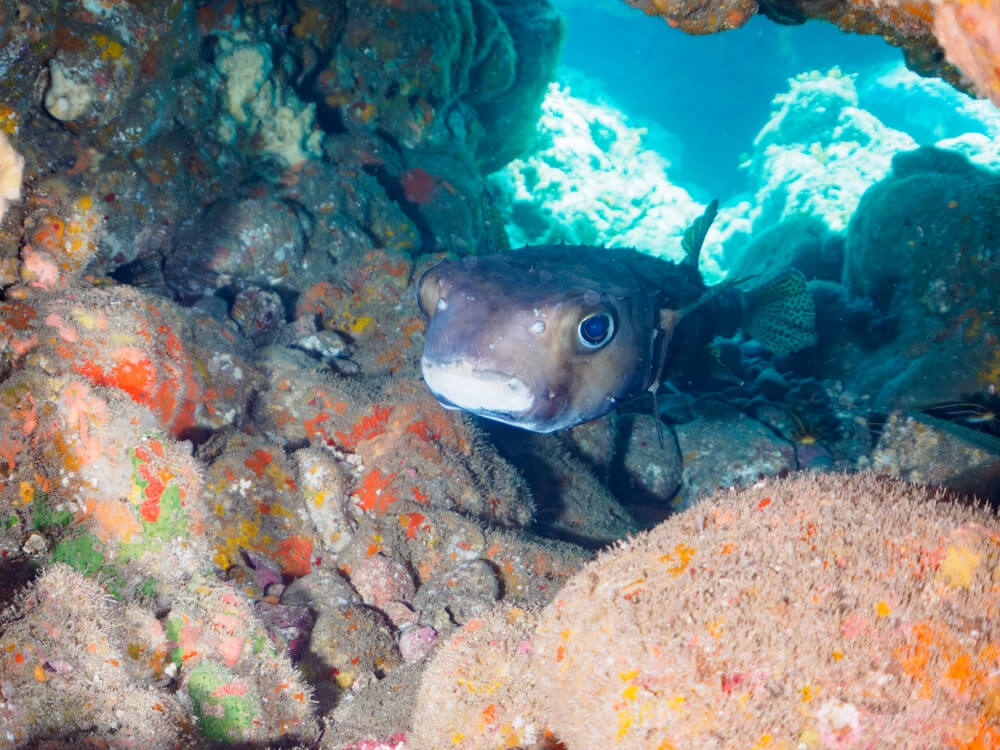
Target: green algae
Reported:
[(224, 706)]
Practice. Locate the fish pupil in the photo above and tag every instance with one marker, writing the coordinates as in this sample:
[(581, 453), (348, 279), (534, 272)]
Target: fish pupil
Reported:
[(595, 330)]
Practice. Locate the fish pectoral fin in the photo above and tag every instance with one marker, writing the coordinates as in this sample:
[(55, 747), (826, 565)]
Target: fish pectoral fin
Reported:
[(781, 313)]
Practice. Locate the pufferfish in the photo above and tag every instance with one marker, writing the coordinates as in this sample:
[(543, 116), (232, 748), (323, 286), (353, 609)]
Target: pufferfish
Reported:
[(547, 337)]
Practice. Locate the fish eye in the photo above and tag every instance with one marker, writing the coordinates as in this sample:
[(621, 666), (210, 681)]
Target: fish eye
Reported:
[(595, 330)]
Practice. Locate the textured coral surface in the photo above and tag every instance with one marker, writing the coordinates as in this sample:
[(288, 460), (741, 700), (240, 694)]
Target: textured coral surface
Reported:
[(821, 611)]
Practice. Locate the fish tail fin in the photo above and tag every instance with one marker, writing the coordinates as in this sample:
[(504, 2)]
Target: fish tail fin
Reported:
[(781, 313), (694, 235)]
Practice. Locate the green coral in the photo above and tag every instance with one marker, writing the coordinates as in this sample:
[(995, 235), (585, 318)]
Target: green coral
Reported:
[(86, 554), (223, 704), (45, 516)]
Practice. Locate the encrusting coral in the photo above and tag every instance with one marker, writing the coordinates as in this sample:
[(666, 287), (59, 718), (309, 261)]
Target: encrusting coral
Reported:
[(817, 612), (821, 611)]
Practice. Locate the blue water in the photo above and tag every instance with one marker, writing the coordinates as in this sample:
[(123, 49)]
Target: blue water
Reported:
[(713, 92)]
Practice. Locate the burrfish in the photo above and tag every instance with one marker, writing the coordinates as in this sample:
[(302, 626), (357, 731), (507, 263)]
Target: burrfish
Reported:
[(550, 336)]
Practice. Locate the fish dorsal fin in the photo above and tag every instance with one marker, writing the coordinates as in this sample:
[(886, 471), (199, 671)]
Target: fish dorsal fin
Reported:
[(694, 235)]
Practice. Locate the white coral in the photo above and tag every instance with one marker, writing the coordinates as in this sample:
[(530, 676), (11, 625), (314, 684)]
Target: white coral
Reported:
[(11, 171)]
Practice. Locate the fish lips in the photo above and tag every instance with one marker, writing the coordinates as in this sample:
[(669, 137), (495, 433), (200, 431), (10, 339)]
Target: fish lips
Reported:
[(458, 385)]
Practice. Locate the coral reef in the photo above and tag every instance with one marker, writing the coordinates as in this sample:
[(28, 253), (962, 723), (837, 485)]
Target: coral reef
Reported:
[(232, 514), (594, 178), (816, 611)]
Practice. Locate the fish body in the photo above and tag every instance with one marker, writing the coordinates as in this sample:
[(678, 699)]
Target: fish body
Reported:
[(550, 336)]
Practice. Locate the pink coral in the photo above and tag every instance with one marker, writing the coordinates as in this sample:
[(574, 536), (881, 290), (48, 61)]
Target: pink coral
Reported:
[(969, 31)]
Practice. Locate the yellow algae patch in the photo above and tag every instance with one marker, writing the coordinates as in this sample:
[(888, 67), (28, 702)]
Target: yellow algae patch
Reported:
[(959, 566)]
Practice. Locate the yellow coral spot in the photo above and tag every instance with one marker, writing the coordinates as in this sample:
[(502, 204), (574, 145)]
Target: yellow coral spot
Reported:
[(39, 673), (360, 324), (882, 609), (86, 319), (26, 492), (84, 203), (809, 738), (110, 49), (630, 692), (220, 510), (683, 553), (249, 528), (344, 679), (319, 498), (715, 628), (676, 703), (764, 741), (222, 560), (808, 691), (9, 123), (624, 723), (630, 675), (959, 566), (838, 655)]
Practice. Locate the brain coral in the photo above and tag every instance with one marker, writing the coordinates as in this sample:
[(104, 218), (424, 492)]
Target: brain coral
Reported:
[(816, 612)]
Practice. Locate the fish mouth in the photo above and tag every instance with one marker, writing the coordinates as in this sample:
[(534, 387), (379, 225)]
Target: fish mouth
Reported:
[(485, 392)]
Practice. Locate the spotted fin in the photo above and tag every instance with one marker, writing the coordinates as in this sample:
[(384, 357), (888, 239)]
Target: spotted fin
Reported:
[(781, 314), (694, 235)]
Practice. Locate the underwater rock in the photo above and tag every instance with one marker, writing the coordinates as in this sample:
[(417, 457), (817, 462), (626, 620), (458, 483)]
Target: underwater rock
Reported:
[(61, 638), (801, 242), (90, 77), (250, 486), (921, 245), (508, 118), (593, 179), (89, 480), (259, 313), (447, 198), (478, 687), (649, 473), (140, 344), (458, 594), (136, 216), (963, 30), (382, 582), (572, 503), (699, 18), (969, 36), (11, 170), (60, 229), (349, 642), (751, 452), (931, 110), (926, 450), (255, 241), (444, 73), (818, 153), (404, 452), (77, 664), (235, 677), (322, 482), (882, 585)]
